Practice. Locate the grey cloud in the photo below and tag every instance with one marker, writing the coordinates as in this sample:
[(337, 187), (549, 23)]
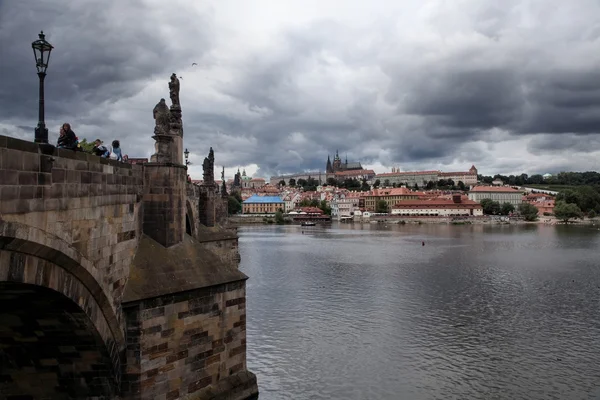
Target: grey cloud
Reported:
[(103, 51), (422, 101), (565, 142)]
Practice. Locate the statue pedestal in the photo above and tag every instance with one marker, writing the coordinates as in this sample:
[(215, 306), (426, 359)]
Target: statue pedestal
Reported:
[(164, 149)]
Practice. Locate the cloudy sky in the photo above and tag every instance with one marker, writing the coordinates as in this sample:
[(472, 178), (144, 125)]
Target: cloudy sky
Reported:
[(510, 86)]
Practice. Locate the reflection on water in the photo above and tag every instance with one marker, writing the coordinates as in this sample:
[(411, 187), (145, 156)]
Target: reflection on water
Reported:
[(479, 312)]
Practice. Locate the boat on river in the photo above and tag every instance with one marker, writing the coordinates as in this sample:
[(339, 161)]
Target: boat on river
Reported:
[(308, 223)]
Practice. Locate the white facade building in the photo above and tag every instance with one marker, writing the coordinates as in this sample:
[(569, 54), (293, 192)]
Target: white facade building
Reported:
[(501, 194), (438, 208), (344, 207)]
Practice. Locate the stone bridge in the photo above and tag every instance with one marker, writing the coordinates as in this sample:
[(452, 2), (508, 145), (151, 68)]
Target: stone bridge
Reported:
[(116, 280)]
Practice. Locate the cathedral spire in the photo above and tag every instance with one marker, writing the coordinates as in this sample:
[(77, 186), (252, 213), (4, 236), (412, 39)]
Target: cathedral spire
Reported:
[(328, 167)]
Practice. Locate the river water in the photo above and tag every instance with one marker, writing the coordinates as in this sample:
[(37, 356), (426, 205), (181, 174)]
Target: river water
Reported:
[(479, 312)]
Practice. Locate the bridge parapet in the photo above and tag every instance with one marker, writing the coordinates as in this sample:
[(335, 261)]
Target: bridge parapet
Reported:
[(88, 203)]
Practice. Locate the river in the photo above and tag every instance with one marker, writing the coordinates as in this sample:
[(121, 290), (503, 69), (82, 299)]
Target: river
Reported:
[(478, 312)]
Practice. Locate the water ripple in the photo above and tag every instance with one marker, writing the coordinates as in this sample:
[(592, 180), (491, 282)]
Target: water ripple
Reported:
[(477, 313)]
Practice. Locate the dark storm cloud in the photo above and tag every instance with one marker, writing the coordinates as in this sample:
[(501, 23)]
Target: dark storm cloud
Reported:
[(551, 143), (104, 51), (430, 94)]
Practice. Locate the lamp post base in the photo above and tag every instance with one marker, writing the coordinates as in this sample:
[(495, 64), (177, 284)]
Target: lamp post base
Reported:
[(41, 134)]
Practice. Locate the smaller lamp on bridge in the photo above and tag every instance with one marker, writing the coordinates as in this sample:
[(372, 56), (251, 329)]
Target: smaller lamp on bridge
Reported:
[(187, 154), (41, 52)]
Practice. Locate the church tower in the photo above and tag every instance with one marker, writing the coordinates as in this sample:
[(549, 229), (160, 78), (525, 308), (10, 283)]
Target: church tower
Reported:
[(328, 168), (337, 162)]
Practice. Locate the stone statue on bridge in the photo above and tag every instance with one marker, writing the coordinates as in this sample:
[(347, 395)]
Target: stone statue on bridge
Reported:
[(168, 130), (174, 90), (162, 117), (209, 168), (223, 185)]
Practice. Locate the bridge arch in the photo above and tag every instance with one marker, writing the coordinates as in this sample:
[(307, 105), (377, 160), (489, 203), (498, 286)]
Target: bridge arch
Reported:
[(31, 257), (49, 347), (190, 219)]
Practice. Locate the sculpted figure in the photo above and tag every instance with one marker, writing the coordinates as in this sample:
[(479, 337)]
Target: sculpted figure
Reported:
[(206, 170), (174, 90), (161, 116)]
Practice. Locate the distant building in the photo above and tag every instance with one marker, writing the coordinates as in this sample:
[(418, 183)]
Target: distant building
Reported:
[(421, 178), (468, 177), (359, 174), (455, 207), (344, 206), (317, 175), (339, 166), (262, 205), (543, 202), (501, 194), (391, 196)]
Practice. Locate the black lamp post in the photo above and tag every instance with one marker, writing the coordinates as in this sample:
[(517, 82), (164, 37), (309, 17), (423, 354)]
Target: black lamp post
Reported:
[(187, 154), (41, 51)]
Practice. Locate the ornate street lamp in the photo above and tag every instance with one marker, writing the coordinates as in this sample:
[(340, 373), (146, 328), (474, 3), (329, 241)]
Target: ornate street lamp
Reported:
[(41, 51), (187, 154)]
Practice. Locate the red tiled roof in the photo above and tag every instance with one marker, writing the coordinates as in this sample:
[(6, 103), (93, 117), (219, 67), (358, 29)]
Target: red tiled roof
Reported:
[(496, 189), (456, 173), (438, 202), (393, 192), (408, 173)]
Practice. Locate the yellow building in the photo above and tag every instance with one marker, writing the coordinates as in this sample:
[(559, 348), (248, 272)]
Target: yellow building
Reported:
[(262, 205), (390, 196)]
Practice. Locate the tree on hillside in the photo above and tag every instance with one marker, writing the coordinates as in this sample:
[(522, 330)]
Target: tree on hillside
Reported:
[(292, 182), (529, 212), (279, 217), (331, 182), (325, 207), (566, 211), (386, 183), (382, 207), (282, 182), (430, 185), (416, 187), (592, 214), (301, 182), (569, 196), (86, 146), (461, 186), (365, 186), (376, 183), (587, 198), (490, 207), (506, 208)]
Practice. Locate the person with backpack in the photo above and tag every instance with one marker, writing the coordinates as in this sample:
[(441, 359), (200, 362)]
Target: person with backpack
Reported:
[(100, 149), (116, 149)]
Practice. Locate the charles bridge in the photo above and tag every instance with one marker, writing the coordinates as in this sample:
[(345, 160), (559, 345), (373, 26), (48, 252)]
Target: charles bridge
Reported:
[(118, 280)]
